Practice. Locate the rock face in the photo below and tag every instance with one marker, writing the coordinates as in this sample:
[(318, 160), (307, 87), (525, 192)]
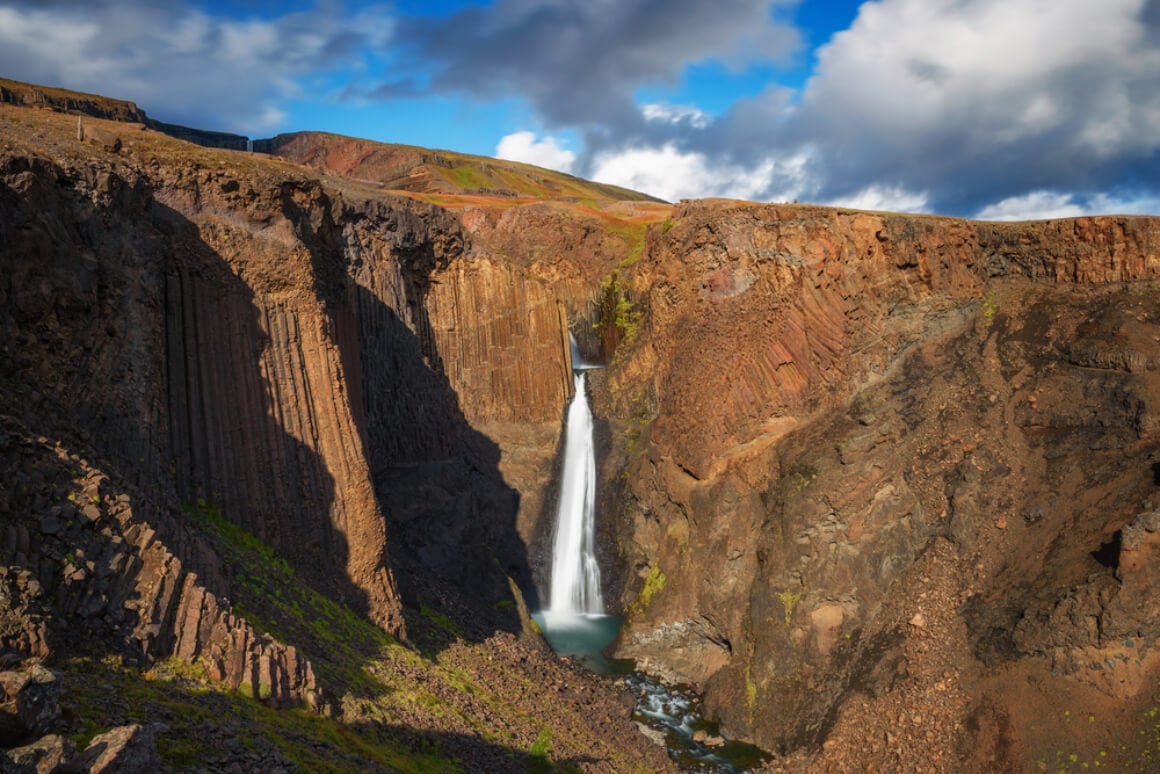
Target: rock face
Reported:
[(119, 571), (29, 705), (312, 366), (883, 487), (131, 748), (831, 420)]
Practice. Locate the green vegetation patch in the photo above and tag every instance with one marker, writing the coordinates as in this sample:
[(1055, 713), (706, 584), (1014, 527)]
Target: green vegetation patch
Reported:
[(207, 723), (654, 583), (269, 594)]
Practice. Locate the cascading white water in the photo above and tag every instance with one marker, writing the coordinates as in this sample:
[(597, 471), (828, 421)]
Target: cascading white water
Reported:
[(575, 573)]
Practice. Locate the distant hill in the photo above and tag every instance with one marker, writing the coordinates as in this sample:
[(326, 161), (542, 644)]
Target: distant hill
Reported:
[(420, 170), (79, 103), (394, 167)]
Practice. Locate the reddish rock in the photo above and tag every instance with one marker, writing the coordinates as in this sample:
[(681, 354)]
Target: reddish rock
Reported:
[(819, 398)]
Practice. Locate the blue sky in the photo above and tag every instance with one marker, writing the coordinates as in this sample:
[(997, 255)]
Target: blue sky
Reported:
[(982, 108)]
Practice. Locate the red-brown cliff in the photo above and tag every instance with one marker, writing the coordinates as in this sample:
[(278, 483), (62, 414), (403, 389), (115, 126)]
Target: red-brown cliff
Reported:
[(878, 468)]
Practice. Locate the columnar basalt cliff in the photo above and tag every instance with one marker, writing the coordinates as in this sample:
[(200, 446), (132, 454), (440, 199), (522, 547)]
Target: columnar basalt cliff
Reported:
[(883, 487), (876, 462), (200, 348)]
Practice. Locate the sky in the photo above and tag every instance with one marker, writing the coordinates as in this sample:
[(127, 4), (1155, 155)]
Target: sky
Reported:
[(996, 109)]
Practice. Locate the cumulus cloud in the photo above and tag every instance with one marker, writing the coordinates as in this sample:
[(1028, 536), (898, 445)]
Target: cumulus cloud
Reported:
[(671, 174), (546, 152), (977, 101), (877, 197), (675, 114), (953, 106), (181, 64), (1036, 205), (1039, 205), (941, 105)]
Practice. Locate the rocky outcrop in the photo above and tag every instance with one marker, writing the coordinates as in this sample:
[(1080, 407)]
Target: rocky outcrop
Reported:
[(27, 95), (75, 103), (29, 705), (131, 748), (316, 367), (826, 410), (121, 574)]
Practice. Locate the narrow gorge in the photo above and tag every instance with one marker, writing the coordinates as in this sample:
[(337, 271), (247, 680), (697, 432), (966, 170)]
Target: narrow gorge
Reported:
[(282, 448)]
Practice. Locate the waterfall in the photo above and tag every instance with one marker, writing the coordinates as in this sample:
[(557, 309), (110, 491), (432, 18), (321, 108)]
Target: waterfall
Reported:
[(575, 573)]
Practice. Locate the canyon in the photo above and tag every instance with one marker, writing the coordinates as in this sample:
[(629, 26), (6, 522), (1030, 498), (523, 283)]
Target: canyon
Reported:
[(280, 437)]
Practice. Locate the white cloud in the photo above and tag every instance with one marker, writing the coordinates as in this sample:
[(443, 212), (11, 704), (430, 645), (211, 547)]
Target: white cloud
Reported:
[(675, 114), (181, 64), (673, 174), (1140, 204), (1037, 205), (878, 197), (546, 152), (973, 99)]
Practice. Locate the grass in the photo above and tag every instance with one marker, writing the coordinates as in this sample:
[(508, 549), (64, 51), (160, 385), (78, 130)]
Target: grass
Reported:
[(368, 674), (101, 694)]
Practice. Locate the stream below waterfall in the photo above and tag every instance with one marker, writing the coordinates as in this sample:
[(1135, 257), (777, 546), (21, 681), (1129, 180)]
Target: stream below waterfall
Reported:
[(576, 625)]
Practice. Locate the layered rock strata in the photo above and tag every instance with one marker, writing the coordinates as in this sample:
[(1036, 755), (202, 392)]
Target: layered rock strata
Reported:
[(827, 409)]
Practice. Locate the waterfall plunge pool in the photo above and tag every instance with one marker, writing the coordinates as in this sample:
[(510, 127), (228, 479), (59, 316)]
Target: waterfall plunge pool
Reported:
[(583, 635), (673, 713)]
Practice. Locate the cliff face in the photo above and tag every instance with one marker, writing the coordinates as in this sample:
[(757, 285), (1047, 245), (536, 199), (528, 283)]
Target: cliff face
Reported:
[(883, 487), (876, 465), (313, 366)]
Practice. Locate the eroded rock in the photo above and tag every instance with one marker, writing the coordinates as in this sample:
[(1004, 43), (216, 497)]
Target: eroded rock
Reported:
[(29, 704)]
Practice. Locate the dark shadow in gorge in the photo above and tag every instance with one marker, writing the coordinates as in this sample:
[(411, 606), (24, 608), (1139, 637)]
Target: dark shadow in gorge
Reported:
[(451, 517), (127, 335), (231, 443)]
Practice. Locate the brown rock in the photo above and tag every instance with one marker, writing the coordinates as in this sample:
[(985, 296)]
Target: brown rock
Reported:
[(46, 755), (131, 749), (29, 704), (102, 138)]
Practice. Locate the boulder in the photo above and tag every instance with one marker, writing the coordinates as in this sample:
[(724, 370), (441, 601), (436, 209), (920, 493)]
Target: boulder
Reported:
[(126, 749), (102, 138), (29, 704), (44, 756)]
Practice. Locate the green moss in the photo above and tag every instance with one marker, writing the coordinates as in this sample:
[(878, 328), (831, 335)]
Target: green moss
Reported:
[(195, 717), (540, 750), (618, 311), (469, 177), (268, 593), (990, 307), (789, 600), (440, 619), (654, 583)]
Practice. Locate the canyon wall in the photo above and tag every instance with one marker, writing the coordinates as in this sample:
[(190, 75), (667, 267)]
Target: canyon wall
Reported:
[(883, 487), (867, 461), (313, 367)]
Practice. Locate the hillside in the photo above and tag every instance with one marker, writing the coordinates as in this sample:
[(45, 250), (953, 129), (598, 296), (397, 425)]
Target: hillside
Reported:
[(278, 441)]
